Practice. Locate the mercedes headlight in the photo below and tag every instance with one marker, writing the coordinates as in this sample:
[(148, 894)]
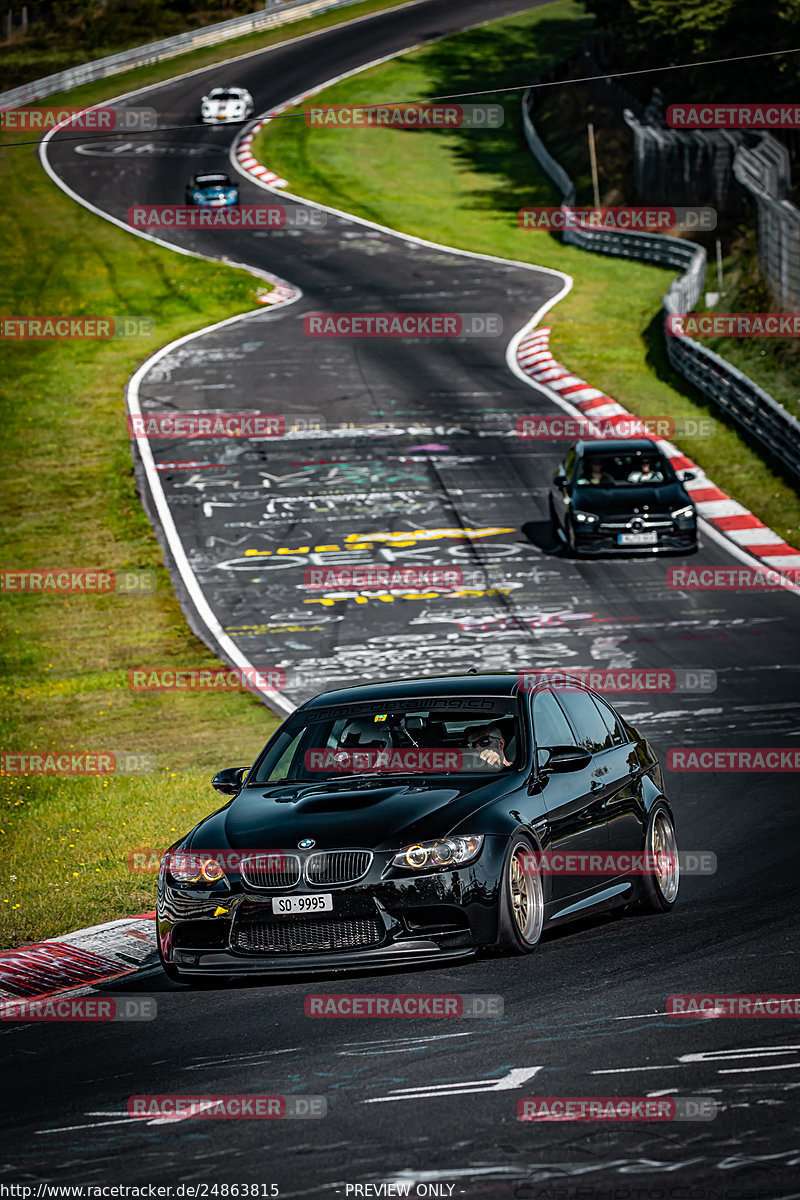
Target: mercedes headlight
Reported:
[(200, 869), (584, 518), (683, 516), (446, 852)]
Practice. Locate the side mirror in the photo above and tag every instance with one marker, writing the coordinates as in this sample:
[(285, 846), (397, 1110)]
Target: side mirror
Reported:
[(560, 479), (565, 758), (229, 782), (688, 476)]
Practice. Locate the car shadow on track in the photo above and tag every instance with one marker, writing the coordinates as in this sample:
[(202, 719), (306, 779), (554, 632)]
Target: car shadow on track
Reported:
[(540, 535)]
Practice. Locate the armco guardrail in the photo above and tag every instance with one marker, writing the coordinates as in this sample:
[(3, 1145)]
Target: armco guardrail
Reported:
[(765, 171), (140, 56), (753, 409)]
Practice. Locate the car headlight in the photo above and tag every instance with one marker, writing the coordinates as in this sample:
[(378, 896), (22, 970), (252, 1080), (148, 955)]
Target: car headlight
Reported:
[(683, 514), (584, 518), (201, 869), (446, 852), (232, 196), (198, 197)]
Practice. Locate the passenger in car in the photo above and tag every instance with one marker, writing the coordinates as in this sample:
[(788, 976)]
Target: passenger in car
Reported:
[(646, 474)]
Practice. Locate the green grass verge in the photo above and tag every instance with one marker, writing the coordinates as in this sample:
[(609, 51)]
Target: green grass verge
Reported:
[(464, 188), (772, 363), (70, 500)]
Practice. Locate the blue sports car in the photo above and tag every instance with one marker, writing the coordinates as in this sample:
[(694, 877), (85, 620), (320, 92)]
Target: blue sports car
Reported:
[(211, 191)]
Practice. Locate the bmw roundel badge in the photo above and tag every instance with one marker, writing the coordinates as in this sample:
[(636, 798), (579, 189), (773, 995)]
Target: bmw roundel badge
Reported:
[(306, 844)]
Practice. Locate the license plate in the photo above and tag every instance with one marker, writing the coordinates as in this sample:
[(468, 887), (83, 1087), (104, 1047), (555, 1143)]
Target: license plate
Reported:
[(285, 905), (637, 539)]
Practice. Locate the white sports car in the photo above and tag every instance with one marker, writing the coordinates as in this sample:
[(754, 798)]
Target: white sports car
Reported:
[(225, 105)]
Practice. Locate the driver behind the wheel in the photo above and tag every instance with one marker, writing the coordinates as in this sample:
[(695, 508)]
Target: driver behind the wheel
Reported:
[(595, 475), (489, 744)]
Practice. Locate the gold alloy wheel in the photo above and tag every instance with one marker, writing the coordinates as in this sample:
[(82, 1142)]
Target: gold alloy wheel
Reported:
[(664, 846), (527, 899)]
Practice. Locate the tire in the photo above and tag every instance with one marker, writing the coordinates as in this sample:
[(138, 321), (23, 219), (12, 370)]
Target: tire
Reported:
[(521, 900), (172, 973), (555, 528), (659, 892), (569, 531)]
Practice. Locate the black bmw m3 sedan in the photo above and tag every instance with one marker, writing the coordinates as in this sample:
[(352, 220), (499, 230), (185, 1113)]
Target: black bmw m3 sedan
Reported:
[(420, 819)]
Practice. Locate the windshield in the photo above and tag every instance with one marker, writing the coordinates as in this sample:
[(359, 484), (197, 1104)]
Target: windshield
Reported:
[(212, 180), (431, 736), (624, 469), (225, 96)]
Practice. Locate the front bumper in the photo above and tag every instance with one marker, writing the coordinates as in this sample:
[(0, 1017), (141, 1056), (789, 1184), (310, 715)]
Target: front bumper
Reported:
[(388, 918), (602, 540)]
